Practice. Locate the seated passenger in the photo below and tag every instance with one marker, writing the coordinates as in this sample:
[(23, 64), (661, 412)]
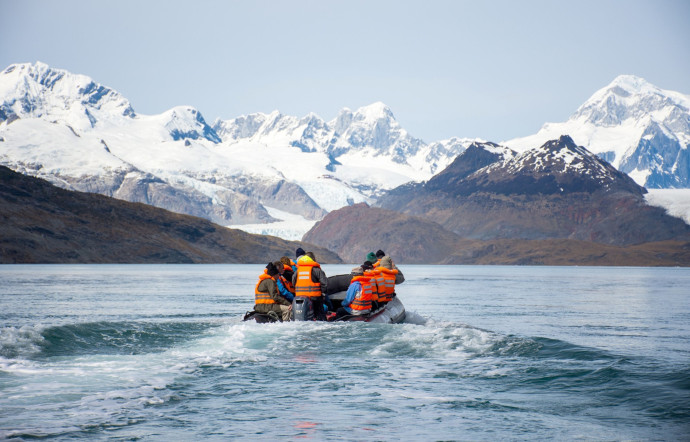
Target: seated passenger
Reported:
[(284, 287), (311, 281), (358, 298), (372, 274), (267, 298), (387, 276), (380, 255), (288, 270)]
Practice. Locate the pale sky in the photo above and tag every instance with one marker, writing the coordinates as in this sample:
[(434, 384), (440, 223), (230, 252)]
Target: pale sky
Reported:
[(489, 69)]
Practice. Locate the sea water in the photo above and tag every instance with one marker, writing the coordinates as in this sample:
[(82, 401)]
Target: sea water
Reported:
[(159, 352)]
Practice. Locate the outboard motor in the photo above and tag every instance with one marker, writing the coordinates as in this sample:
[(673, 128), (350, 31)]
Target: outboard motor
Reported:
[(302, 309)]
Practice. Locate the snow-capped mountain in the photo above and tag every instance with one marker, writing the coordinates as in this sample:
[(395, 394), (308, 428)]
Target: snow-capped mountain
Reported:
[(558, 190), (557, 167), (371, 132), (37, 91), (258, 168), (84, 136), (639, 128)]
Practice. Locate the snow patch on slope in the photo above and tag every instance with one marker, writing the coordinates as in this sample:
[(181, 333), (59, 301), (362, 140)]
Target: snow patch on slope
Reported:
[(675, 201), (291, 227)]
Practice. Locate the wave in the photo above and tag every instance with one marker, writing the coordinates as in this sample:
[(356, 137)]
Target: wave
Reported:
[(96, 338), (20, 342)]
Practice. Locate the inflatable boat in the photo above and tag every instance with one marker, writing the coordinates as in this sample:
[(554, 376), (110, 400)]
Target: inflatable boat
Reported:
[(392, 312)]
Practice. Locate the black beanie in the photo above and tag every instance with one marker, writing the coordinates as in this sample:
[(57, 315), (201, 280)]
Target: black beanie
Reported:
[(271, 269), (380, 253), (299, 252), (367, 265)]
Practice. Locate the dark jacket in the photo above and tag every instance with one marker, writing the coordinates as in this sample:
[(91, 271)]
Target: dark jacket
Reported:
[(269, 285)]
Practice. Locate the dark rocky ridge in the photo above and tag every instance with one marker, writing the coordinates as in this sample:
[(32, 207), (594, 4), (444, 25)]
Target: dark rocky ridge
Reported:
[(41, 223), (557, 191)]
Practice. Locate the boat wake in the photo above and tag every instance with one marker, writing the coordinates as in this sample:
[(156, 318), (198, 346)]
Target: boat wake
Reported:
[(115, 374)]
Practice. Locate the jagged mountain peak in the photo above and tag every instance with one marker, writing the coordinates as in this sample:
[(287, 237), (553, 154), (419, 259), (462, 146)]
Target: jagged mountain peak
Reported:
[(477, 156), (639, 128), (631, 84), (559, 156), (186, 122), (501, 151), (244, 126), (559, 166), (374, 112), (37, 90), (630, 97)]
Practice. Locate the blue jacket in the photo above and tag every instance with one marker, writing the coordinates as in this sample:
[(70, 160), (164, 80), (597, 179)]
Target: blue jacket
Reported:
[(284, 292), (351, 294)]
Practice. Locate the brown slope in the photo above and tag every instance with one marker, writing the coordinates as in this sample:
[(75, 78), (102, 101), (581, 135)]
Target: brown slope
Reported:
[(356, 230), (359, 229), (40, 223)]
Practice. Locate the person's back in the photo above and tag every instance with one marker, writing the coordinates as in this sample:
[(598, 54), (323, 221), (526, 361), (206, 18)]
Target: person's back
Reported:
[(382, 257), (284, 286), (372, 274), (289, 268), (388, 274), (359, 295), (266, 296), (310, 281)]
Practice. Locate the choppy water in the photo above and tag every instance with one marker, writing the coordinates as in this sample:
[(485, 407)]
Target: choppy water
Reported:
[(488, 353)]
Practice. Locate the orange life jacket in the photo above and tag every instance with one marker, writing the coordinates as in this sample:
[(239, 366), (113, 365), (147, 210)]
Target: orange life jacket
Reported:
[(304, 286), (288, 284), (389, 283), (263, 297), (372, 275), (380, 282), (363, 299)]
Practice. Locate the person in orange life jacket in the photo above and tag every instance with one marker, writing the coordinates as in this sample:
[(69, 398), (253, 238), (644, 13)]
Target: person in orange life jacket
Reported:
[(377, 281), (370, 272), (381, 255), (267, 298), (288, 271), (388, 274), (282, 283), (309, 280), (358, 298)]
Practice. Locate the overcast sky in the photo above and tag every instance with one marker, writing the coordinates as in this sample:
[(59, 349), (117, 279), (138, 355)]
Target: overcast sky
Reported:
[(494, 70)]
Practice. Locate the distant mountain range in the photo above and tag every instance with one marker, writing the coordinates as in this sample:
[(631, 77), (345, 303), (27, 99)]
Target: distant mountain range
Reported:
[(41, 223), (84, 136), (558, 205), (579, 181)]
